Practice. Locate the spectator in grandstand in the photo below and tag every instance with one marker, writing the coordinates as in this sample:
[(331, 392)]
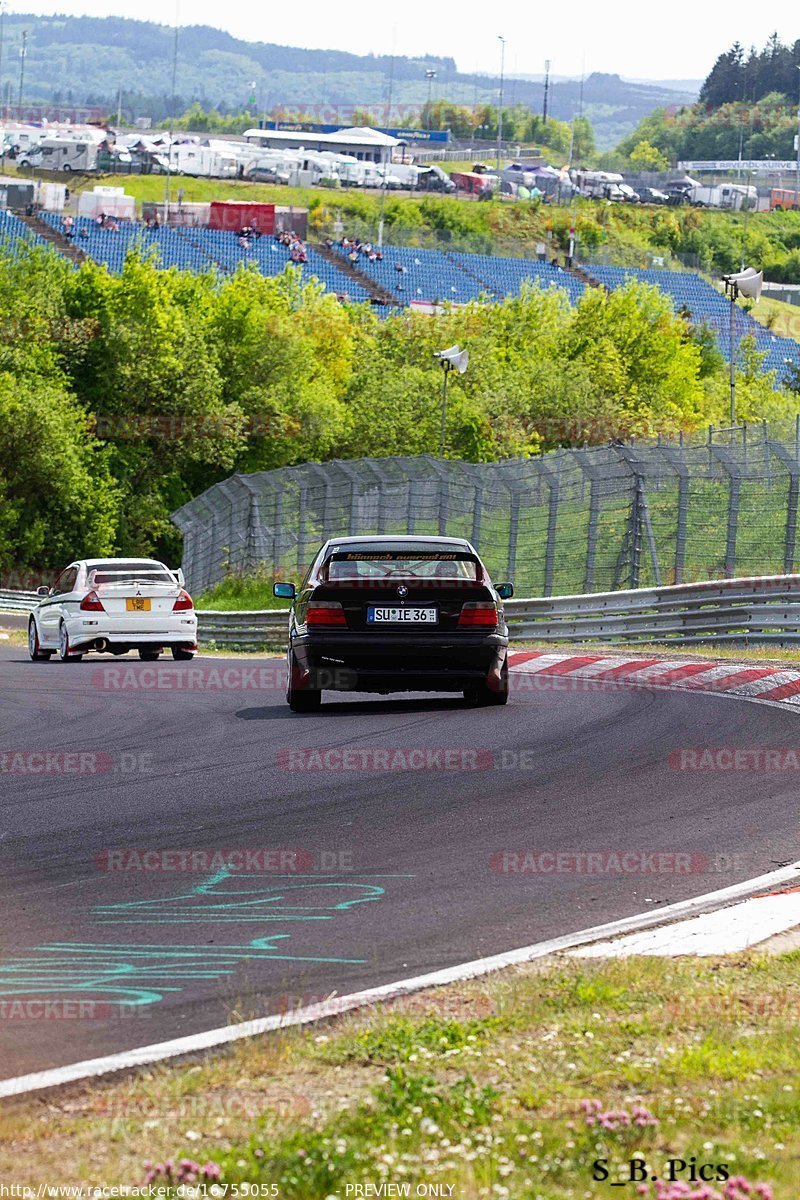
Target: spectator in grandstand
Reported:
[(68, 224)]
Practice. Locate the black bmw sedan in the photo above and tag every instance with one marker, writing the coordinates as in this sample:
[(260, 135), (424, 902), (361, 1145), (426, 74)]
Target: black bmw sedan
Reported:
[(396, 614)]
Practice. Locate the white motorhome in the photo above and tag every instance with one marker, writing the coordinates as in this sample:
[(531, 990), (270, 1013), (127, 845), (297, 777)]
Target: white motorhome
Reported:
[(601, 185), (17, 138), (61, 154), (735, 196), (204, 160)]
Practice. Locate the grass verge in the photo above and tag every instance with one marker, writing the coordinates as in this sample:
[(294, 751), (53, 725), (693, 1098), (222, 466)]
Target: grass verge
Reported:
[(513, 1086)]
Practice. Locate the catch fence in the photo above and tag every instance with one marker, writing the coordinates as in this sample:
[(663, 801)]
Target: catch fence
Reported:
[(624, 515)]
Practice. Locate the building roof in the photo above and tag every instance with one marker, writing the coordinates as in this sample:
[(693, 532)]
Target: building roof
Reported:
[(357, 136)]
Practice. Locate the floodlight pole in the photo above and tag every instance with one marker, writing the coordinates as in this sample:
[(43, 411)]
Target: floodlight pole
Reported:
[(797, 170), (2, 32), (732, 288), (22, 54), (446, 367), (502, 42), (734, 291), (172, 117)]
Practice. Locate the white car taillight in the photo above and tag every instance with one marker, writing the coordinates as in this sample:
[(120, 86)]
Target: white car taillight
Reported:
[(91, 603), (183, 602)]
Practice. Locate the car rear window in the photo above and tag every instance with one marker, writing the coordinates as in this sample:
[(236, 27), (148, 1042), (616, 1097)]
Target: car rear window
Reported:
[(405, 564)]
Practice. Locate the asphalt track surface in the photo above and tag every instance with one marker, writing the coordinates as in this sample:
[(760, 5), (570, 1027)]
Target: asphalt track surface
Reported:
[(395, 872)]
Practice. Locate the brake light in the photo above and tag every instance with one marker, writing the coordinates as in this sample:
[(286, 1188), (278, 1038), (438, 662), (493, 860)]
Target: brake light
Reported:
[(91, 603), (183, 602), (325, 612), (478, 614)]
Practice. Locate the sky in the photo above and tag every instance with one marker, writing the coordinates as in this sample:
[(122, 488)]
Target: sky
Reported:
[(638, 40)]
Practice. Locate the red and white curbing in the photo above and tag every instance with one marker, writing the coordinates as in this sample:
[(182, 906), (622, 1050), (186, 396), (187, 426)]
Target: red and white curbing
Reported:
[(587, 671), (726, 930)]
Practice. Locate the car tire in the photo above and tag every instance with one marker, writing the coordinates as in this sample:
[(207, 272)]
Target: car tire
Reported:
[(64, 652), (304, 702), (34, 649), (480, 695), (149, 655), (181, 655), (301, 700)]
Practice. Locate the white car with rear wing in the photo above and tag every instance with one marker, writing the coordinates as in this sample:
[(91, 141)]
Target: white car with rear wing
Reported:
[(113, 605)]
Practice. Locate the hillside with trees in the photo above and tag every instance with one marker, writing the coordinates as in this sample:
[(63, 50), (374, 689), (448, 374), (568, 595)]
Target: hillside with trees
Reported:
[(747, 106), (740, 75), (98, 61)]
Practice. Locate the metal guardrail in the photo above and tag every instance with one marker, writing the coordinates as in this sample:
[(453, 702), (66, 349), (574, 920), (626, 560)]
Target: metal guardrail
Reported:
[(247, 630), (17, 601), (763, 609)]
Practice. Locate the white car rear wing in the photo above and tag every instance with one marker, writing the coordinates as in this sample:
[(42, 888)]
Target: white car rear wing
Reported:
[(128, 576)]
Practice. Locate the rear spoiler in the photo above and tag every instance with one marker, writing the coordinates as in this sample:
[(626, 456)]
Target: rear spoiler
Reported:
[(141, 576), (344, 555)]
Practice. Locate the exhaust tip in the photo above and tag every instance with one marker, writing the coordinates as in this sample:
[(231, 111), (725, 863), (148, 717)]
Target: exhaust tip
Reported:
[(101, 644)]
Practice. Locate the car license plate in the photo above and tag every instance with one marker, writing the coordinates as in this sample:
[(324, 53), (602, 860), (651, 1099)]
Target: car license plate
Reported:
[(402, 616), (138, 604)]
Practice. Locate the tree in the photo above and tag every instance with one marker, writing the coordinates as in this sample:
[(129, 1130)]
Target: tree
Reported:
[(645, 157), (583, 146), (56, 491)]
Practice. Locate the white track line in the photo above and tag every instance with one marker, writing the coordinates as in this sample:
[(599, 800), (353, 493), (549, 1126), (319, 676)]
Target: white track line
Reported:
[(199, 1042)]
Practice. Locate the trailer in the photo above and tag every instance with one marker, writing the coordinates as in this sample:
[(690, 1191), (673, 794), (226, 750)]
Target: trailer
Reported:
[(733, 196)]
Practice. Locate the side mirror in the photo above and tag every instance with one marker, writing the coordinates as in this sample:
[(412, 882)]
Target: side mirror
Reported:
[(43, 591), (285, 591), (505, 590)]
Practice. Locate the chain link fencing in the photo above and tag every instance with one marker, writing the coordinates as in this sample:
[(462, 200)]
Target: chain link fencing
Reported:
[(626, 515)]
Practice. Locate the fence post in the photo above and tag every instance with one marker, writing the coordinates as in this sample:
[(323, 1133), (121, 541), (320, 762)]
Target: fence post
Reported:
[(513, 529), (734, 473), (677, 461), (590, 471), (793, 468), (551, 478)]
